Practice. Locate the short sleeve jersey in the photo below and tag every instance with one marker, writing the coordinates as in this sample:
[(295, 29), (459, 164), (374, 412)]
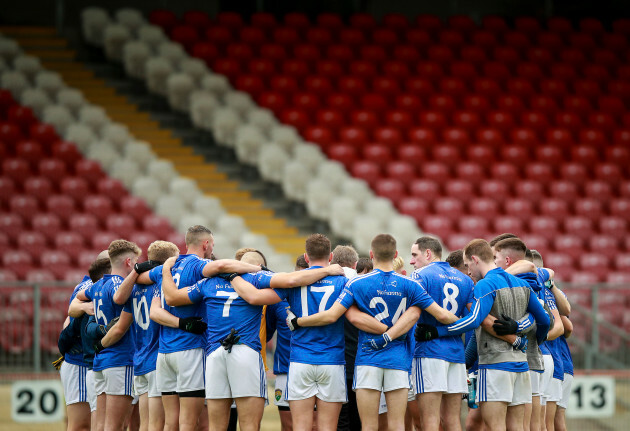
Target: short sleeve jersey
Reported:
[(188, 270), (77, 358), (226, 310), (147, 332), (318, 345), (385, 295), (101, 294), (452, 290), (276, 322)]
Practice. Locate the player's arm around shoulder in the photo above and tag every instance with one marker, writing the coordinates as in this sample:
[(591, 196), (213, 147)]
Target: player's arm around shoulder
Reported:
[(442, 315), (283, 280), (119, 329), (122, 294), (252, 295), (172, 295), (161, 316), (365, 322), (405, 322), (220, 266), (79, 307), (324, 317), (520, 267)]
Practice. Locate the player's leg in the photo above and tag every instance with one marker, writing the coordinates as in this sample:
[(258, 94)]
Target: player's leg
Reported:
[(101, 400), (451, 412), (250, 412), (91, 397), (166, 380), (156, 414), (143, 407), (281, 402), (534, 422), (327, 415), (218, 414), (382, 413), (555, 396), (474, 421), (396, 407), (550, 415), (202, 420), (118, 408), (412, 406), (302, 413), (515, 417), (431, 384), (73, 378), (456, 378), (286, 423), (190, 386), (368, 401), (134, 417), (560, 420), (494, 414), (119, 390)]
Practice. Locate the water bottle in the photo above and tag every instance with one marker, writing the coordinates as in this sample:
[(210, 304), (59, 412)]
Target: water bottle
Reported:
[(472, 390)]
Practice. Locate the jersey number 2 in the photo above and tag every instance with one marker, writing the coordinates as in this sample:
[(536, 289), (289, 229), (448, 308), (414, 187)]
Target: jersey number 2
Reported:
[(385, 313)]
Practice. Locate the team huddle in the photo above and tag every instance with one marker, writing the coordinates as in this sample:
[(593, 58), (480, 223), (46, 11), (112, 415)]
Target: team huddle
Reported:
[(183, 330)]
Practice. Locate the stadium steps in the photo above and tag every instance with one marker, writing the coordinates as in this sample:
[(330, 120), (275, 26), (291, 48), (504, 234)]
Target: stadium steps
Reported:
[(55, 55)]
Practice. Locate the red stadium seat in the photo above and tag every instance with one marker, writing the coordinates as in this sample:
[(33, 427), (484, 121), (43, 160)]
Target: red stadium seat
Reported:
[(15, 169), (83, 224), (112, 188), (559, 137), (519, 87), (319, 36), (362, 69), (484, 207), (377, 153), (494, 189), (353, 135), (406, 53), (572, 245), (23, 205), (71, 243), (614, 42), (504, 171), (483, 39), (261, 68), (507, 224), (605, 245), (426, 189), (522, 208), (346, 154), (330, 20), (387, 135), (251, 84), (560, 189), (46, 223), (459, 189), (489, 136), (496, 70), (494, 23), (446, 154), (480, 154), (340, 101), (522, 139), (598, 190), (205, 51), (470, 171), (390, 188), (75, 187), (579, 225), (423, 135), (363, 21), (550, 40), (587, 88), (411, 153), (122, 224), (89, 170), (596, 264), (544, 225), (416, 207), (619, 207), (38, 187), (19, 261), (510, 104), (468, 120), (375, 102), (331, 118), (401, 170), (535, 120), (611, 105), (273, 101), (554, 207), (385, 86), (609, 172), (31, 151), (307, 52), (101, 240), (574, 172), (99, 206), (435, 171), (577, 104), (366, 170), (486, 87), (528, 188), (33, 243), (437, 225), (396, 69), (297, 118), (10, 134), (612, 225), (60, 205), (384, 37), (474, 225), (185, 35), (320, 135), (66, 152)]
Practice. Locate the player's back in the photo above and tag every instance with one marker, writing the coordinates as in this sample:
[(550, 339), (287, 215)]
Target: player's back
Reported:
[(511, 298), (319, 345), (385, 295), (146, 331), (451, 290), (77, 358), (105, 309), (225, 310), (187, 271)]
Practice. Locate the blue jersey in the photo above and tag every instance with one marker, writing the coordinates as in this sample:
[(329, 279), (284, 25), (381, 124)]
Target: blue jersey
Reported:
[(146, 331), (385, 296), (105, 309), (321, 345), (484, 295), (188, 270), (77, 357), (565, 355), (453, 291), (553, 346), (225, 310), (276, 322)]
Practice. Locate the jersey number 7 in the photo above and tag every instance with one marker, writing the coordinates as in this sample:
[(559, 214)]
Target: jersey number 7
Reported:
[(328, 290)]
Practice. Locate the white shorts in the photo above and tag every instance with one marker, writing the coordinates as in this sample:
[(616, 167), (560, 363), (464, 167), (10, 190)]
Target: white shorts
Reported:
[(280, 396), (238, 374), (438, 375), (91, 389), (73, 378), (379, 379), (114, 381), (545, 380), (566, 391), (554, 391), (181, 371), (535, 378), (326, 382), (504, 386), (146, 383)]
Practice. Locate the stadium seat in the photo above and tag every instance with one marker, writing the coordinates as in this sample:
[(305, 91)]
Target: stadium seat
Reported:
[(411, 153), (23, 205), (20, 262), (494, 188), (470, 171), (612, 225), (122, 224), (98, 205), (522, 208)]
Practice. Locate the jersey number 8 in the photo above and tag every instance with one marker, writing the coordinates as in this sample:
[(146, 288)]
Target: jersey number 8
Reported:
[(450, 297)]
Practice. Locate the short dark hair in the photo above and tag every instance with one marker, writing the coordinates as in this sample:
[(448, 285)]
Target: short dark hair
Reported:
[(384, 247), (300, 262), (537, 256), (195, 233), (501, 237), (317, 246), (120, 248), (456, 258), (99, 268), (514, 244), (480, 248), (364, 264), (430, 243), (528, 255)]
